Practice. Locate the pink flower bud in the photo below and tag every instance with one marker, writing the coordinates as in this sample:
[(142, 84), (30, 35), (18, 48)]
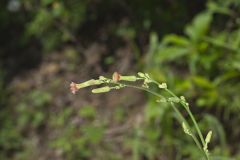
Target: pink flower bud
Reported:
[(116, 77), (73, 87)]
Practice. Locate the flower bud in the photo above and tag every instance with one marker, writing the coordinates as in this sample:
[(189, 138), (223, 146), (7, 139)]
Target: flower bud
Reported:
[(140, 74), (186, 129), (116, 77), (162, 100), (102, 78), (182, 98), (101, 90), (163, 85), (128, 78), (174, 99), (89, 83), (73, 87)]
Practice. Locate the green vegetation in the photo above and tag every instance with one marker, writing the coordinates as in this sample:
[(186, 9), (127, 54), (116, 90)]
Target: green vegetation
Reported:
[(207, 58), (193, 46)]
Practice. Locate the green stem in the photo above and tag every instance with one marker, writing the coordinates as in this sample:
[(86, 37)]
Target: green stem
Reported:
[(181, 117), (140, 88), (193, 120), (191, 116)]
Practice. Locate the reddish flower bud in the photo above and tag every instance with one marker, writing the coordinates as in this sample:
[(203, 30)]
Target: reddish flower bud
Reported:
[(73, 87), (116, 77)]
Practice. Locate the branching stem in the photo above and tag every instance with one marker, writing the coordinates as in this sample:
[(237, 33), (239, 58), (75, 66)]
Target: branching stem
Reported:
[(116, 81), (179, 114)]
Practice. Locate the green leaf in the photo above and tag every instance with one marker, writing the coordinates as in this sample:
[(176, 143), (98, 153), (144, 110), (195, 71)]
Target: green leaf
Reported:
[(214, 7), (153, 46), (176, 40), (171, 53), (202, 82), (225, 77), (199, 26)]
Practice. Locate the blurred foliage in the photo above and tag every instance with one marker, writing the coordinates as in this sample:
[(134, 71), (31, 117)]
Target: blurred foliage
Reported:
[(200, 60), (55, 22), (203, 65)]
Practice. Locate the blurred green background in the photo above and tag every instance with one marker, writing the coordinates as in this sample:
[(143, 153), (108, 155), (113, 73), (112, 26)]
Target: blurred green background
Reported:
[(194, 46)]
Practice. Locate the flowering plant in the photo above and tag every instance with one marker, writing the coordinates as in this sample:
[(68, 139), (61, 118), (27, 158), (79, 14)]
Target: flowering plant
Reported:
[(119, 81)]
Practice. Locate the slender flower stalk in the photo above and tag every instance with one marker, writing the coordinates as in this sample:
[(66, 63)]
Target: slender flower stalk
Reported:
[(118, 81)]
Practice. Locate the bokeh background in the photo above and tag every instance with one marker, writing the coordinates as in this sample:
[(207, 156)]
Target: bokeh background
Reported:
[(193, 46)]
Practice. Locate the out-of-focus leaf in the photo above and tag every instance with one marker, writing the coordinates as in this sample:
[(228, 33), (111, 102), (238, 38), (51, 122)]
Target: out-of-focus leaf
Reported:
[(94, 134), (183, 85), (176, 40), (153, 43), (87, 112), (40, 23), (127, 32), (214, 7), (199, 26), (40, 98), (154, 112), (152, 133), (208, 98), (235, 37), (171, 53), (58, 9), (225, 77), (202, 82)]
